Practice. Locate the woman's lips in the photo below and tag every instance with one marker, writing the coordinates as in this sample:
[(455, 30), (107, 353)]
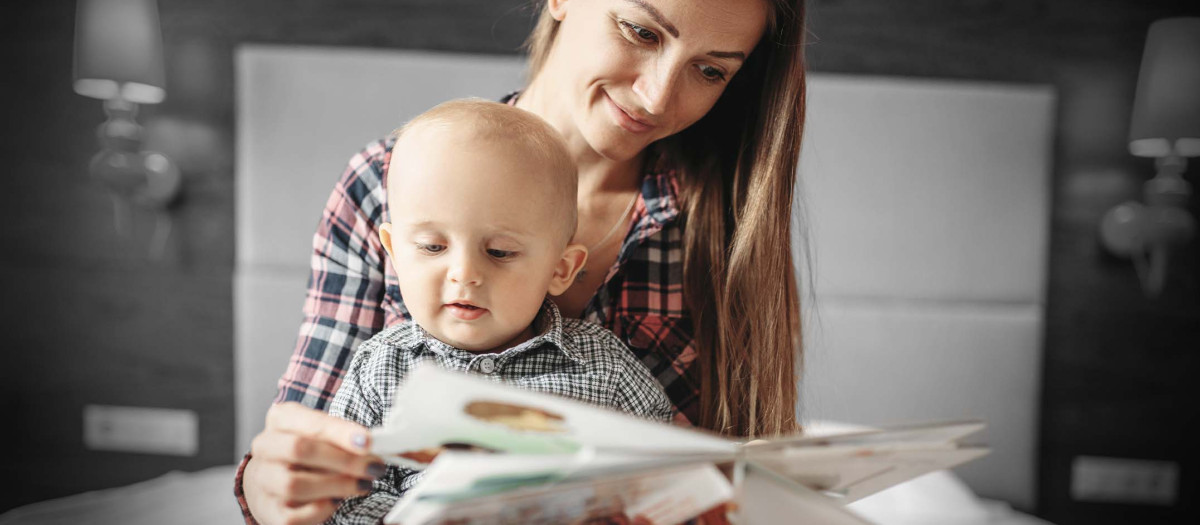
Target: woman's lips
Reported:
[(465, 312), (623, 119)]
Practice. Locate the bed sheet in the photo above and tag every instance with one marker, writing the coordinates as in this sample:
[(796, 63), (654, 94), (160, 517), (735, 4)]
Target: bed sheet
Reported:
[(183, 498), (206, 497)]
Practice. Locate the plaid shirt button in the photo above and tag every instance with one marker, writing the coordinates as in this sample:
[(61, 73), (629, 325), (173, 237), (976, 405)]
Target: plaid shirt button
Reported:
[(487, 365)]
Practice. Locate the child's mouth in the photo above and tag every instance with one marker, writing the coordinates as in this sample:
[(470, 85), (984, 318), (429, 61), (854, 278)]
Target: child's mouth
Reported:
[(466, 312)]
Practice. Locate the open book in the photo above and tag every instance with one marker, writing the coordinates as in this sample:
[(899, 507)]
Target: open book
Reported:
[(493, 453)]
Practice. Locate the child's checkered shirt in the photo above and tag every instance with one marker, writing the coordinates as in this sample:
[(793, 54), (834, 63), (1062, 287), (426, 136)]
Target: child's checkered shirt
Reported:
[(569, 357)]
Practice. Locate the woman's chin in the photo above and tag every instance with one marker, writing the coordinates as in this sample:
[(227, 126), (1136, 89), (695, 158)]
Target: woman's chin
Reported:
[(617, 146)]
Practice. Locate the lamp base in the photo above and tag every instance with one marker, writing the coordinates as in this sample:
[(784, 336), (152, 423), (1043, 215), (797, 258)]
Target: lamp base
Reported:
[(1168, 188), (1148, 233), (145, 179)]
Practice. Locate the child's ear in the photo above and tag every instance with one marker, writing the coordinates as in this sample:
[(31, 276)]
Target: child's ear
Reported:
[(573, 258), (385, 237)]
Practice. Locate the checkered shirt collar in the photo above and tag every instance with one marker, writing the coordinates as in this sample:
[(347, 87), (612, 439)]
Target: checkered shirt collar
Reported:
[(548, 324)]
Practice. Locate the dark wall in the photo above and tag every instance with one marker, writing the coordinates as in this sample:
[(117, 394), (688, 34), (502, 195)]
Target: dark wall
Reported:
[(90, 318), (1119, 376)]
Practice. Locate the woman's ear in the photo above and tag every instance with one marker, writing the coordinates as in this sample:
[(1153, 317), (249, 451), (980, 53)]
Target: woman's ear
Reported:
[(573, 258), (385, 237), (557, 8)]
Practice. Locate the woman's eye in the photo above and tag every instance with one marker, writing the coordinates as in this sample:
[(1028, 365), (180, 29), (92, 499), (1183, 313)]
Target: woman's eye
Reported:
[(430, 248), (712, 74), (639, 32), (501, 254)]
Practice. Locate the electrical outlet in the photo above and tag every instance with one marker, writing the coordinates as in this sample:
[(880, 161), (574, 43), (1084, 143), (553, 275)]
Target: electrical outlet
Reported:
[(137, 429), (1121, 480)]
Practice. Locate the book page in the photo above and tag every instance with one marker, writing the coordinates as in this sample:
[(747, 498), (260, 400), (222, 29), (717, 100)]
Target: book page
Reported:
[(942, 432), (852, 465), (767, 499), (493, 449), (660, 496), (852, 473), (437, 409)]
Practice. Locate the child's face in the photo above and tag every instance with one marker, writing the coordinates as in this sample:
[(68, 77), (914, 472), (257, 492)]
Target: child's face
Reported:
[(474, 239)]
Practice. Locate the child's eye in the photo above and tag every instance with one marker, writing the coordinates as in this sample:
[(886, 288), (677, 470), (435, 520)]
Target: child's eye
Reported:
[(639, 32), (501, 254), (712, 74), (431, 249)]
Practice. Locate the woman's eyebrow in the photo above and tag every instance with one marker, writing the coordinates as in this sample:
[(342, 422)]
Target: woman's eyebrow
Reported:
[(658, 17), (661, 20), (728, 54)]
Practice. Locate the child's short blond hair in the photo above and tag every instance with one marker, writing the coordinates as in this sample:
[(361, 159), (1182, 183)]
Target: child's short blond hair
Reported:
[(542, 147)]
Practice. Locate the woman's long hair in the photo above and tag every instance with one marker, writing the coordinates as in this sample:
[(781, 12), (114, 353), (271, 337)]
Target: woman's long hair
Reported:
[(739, 278)]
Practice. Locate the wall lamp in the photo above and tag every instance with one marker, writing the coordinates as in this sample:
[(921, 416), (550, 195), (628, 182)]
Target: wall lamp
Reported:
[(119, 59), (1165, 126)]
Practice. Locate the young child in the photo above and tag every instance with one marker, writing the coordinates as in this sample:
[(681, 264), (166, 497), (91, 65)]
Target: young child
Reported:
[(482, 203)]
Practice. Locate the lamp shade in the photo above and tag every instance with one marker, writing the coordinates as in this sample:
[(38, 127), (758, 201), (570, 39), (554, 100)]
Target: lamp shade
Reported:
[(119, 51), (1166, 109)]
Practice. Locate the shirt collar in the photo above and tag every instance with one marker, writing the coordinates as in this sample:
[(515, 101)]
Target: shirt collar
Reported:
[(660, 189), (548, 325), (660, 202)]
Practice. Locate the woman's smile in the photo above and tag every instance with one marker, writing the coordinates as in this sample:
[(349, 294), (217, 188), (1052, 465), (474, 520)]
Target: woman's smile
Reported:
[(623, 118), (622, 74), (666, 65)]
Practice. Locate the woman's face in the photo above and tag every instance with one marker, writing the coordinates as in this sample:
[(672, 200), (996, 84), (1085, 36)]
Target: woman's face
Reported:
[(625, 73)]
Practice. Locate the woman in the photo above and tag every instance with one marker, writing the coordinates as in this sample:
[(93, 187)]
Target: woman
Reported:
[(685, 119)]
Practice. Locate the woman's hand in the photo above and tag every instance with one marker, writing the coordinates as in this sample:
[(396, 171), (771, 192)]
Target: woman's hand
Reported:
[(302, 462)]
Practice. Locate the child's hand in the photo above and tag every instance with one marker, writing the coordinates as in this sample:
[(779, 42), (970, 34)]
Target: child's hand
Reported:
[(303, 461)]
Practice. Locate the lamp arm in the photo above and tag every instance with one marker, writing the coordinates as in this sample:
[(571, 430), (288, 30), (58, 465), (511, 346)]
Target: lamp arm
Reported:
[(1151, 266)]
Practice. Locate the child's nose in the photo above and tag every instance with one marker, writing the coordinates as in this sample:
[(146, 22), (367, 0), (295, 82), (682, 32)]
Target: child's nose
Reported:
[(465, 271)]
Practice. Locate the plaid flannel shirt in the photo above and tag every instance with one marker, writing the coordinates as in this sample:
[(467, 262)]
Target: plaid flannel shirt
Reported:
[(570, 358), (353, 292)]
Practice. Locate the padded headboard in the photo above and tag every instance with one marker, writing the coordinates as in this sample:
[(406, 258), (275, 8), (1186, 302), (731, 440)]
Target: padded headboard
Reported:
[(927, 205), (302, 112)]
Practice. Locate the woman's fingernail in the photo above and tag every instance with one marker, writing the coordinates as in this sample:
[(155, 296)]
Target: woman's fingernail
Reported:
[(364, 484), (376, 470), (359, 440)]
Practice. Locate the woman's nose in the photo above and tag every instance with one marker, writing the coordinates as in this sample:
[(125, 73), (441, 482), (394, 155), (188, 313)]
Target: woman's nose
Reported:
[(657, 83), (464, 270)]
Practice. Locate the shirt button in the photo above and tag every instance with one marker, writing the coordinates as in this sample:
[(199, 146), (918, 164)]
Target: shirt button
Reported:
[(487, 365)]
